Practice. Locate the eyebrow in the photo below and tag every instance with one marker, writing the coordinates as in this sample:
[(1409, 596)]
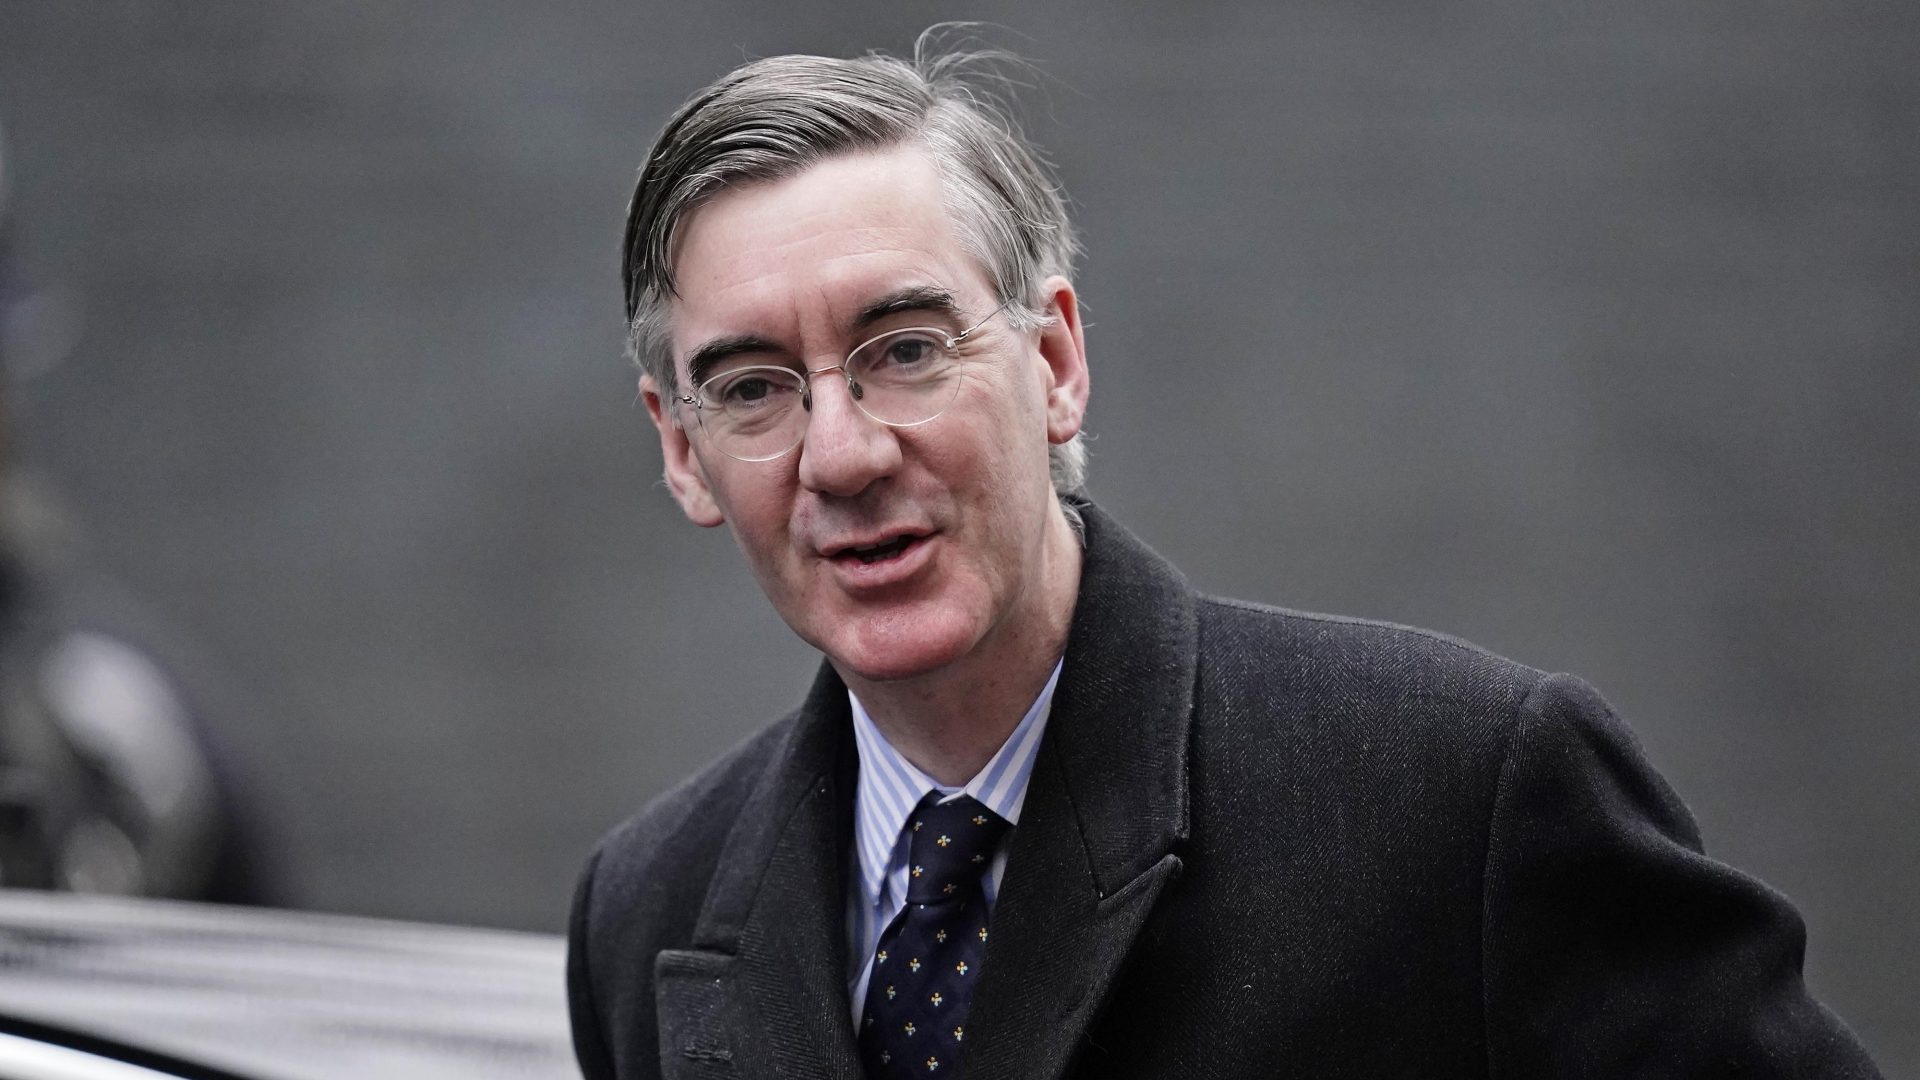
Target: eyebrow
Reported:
[(710, 354), (928, 298)]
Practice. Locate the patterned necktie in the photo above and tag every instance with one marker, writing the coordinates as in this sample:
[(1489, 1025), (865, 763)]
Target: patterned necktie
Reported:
[(915, 1020)]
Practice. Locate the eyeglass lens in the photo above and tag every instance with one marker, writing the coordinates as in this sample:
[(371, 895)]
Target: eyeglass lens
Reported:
[(900, 379)]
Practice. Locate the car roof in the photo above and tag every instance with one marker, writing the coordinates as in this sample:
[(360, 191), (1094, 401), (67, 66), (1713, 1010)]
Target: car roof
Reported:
[(287, 995)]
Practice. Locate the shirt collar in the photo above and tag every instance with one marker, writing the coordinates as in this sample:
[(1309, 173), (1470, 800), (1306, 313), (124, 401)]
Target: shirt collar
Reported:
[(890, 786)]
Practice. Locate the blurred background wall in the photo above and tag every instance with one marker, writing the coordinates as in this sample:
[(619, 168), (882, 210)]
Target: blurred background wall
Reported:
[(1590, 337)]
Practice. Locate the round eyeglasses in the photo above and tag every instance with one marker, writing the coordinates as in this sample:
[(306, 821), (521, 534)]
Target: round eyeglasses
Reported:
[(902, 378)]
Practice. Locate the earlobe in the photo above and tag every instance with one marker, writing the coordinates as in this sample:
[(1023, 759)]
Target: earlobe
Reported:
[(685, 476), (1063, 346)]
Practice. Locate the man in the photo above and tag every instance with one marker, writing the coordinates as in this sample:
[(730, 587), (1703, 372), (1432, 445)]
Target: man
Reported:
[(1047, 812)]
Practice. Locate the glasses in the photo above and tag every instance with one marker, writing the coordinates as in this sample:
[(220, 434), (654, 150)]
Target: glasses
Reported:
[(902, 378)]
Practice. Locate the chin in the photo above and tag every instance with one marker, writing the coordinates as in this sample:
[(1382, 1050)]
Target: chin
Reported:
[(900, 645)]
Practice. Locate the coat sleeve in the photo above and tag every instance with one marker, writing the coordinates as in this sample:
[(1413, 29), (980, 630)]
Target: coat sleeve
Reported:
[(1612, 946), (589, 1045)]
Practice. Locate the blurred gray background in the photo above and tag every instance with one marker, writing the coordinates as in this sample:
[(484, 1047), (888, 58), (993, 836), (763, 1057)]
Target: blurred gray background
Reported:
[(1593, 338)]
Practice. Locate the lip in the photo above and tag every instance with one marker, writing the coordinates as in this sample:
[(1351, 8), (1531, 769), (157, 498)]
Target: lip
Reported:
[(857, 576), (874, 538)]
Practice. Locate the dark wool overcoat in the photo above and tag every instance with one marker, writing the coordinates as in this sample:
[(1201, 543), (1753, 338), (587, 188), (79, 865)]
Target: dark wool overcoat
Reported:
[(1257, 843)]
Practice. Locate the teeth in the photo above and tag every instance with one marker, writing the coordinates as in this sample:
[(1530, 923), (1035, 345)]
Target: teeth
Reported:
[(881, 551)]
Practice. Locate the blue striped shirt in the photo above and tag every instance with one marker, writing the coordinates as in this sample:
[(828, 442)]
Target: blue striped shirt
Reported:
[(889, 788)]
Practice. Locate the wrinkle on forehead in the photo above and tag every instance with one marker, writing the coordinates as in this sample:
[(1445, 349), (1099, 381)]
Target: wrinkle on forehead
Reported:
[(797, 259)]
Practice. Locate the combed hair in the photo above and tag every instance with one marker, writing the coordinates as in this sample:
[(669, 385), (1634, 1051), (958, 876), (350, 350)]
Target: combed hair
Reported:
[(772, 118)]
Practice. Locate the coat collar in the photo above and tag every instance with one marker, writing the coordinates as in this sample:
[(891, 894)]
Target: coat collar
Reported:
[(1106, 811), (764, 984), (1118, 736)]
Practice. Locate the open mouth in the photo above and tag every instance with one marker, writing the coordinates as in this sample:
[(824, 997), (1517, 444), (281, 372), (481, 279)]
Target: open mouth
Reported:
[(881, 552)]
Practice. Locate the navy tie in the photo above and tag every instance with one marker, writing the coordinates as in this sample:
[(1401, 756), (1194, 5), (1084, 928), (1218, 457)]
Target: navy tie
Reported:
[(915, 1020)]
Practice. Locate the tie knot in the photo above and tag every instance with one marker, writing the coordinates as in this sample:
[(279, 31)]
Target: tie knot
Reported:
[(952, 843)]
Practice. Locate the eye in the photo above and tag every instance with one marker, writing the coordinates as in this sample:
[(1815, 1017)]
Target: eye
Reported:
[(908, 350), (910, 355), (750, 388)]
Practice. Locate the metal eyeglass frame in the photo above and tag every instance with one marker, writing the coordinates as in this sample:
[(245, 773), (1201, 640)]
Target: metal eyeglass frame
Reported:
[(853, 386)]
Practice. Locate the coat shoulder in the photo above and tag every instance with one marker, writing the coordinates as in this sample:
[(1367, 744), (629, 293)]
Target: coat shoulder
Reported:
[(1372, 668)]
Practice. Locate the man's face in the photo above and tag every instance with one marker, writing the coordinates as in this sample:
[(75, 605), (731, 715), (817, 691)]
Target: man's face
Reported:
[(961, 506)]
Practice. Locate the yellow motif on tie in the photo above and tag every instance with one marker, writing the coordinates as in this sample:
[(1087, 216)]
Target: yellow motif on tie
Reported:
[(936, 998), (944, 840), (979, 819), (916, 871), (961, 967), (983, 933), (933, 1063), (940, 936), (959, 1034), (882, 958), (910, 1028), (913, 964)]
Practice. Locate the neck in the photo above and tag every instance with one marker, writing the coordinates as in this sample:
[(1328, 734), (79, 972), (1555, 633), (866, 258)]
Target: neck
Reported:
[(950, 722)]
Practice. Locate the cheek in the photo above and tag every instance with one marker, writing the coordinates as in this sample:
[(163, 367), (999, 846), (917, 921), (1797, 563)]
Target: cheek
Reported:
[(1019, 454), (756, 513), (769, 559), (1004, 462)]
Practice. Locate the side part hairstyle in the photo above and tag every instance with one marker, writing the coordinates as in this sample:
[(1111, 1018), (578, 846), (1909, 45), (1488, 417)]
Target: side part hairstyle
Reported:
[(773, 118)]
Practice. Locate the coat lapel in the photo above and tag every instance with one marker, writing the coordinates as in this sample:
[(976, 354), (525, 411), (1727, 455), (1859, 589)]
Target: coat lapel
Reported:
[(1104, 815), (763, 990), (768, 967)]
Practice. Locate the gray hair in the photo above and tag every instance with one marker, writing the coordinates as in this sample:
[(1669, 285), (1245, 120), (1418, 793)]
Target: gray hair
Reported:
[(773, 118)]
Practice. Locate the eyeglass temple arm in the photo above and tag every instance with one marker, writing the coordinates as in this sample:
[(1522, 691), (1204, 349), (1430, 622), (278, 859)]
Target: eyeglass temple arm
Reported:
[(968, 332)]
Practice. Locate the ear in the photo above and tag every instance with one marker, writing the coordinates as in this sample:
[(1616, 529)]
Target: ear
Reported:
[(1063, 346), (686, 476)]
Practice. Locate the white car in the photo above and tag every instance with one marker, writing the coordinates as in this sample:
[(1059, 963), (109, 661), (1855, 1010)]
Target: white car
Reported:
[(95, 988)]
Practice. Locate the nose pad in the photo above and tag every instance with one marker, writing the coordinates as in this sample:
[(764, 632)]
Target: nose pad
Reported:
[(853, 387), (852, 450)]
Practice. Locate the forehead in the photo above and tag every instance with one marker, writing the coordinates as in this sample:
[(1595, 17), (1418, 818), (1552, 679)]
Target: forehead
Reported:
[(784, 255)]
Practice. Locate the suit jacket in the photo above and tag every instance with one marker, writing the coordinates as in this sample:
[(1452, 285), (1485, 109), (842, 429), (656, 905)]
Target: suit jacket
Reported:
[(1256, 843)]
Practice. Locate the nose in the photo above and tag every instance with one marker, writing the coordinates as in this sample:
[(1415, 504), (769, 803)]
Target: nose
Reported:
[(844, 449)]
